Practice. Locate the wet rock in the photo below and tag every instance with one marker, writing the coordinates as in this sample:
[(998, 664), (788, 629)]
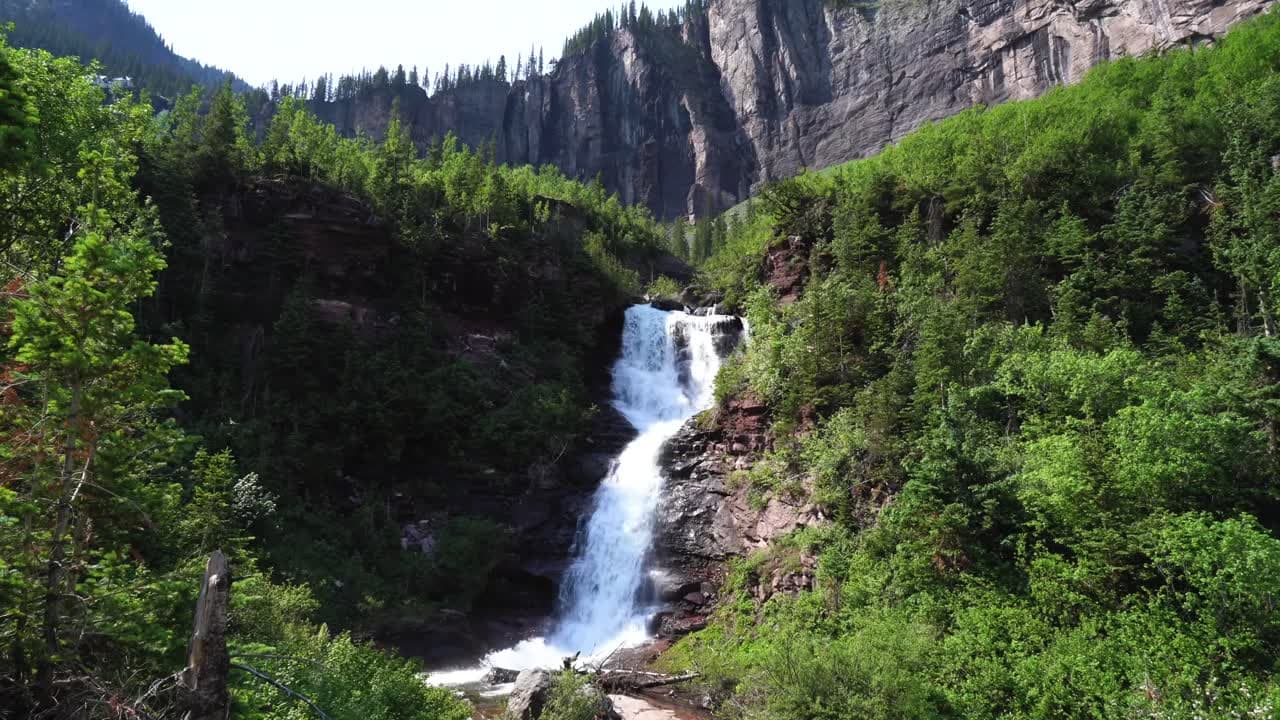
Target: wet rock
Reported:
[(668, 305), (532, 690), (704, 302), (675, 625), (501, 676), (668, 587), (418, 537)]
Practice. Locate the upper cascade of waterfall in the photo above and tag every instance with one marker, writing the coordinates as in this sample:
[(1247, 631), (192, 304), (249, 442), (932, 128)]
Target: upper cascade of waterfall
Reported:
[(664, 376)]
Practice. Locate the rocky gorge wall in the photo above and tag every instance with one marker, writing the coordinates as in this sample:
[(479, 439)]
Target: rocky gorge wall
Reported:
[(695, 119)]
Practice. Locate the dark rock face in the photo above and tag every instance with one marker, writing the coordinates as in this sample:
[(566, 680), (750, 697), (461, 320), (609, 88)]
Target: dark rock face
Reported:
[(705, 518), (756, 90)]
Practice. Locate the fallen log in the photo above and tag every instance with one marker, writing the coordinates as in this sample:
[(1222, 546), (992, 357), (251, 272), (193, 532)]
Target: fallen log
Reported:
[(630, 682)]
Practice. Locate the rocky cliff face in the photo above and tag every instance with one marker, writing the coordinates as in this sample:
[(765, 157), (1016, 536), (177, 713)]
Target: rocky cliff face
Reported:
[(707, 517), (694, 119)]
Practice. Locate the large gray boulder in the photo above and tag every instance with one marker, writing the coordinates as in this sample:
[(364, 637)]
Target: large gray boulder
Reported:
[(533, 692), (533, 689)]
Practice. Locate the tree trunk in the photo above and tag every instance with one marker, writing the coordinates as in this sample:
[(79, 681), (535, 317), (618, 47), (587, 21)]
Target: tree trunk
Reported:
[(208, 663), (1268, 320), (68, 488)]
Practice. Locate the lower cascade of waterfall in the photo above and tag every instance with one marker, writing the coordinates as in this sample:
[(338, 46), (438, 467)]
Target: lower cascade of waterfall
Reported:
[(665, 375)]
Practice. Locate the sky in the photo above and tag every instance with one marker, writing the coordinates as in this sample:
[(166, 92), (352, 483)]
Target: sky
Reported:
[(261, 40)]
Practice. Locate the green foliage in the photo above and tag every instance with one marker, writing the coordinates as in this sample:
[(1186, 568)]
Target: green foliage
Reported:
[(641, 21), (108, 508), (573, 698), (665, 288), (1033, 359), (17, 113), (347, 679), (111, 33)]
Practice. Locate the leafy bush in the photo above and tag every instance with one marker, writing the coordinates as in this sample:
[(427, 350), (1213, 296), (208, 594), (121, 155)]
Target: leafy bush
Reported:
[(574, 698)]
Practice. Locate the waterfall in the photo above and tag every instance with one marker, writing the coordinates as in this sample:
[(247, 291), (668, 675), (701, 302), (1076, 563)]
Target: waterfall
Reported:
[(664, 376)]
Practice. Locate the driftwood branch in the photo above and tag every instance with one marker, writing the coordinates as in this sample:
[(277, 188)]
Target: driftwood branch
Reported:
[(633, 680)]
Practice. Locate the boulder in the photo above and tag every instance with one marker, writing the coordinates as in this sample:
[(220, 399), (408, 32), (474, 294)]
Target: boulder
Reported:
[(532, 690), (501, 676), (668, 305), (605, 709)]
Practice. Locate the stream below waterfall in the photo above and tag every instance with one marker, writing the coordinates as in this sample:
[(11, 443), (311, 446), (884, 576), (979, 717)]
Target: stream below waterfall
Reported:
[(664, 376)]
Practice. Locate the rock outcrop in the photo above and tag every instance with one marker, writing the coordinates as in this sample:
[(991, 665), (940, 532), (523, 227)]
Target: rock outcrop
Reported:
[(533, 691), (693, 119), (530, 695), (707, 516)]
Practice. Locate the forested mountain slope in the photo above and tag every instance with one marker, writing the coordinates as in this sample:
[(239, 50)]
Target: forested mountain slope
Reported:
[(694, 110), (1026, 363), (108, 31), (291, 351), (694, 113)]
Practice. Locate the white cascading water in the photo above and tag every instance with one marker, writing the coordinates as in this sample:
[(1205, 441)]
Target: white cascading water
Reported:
[(665, 375)]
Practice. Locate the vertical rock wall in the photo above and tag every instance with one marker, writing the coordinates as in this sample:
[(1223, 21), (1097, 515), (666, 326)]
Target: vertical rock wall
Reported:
[(695, 119)]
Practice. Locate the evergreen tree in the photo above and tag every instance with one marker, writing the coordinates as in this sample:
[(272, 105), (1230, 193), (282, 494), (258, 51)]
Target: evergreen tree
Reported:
[(17, 113), (90, 376), (224, 142)]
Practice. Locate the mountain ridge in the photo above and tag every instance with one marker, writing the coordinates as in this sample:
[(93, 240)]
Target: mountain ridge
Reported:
[(111, 32), (696, 118)]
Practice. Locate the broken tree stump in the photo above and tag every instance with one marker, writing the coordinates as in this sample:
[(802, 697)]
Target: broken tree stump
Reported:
[(208, 664)]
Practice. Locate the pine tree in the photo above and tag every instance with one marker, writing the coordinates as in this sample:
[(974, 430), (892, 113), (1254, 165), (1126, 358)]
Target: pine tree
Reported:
[(502, 68), (223, 137), (17, 114), (95, 379)]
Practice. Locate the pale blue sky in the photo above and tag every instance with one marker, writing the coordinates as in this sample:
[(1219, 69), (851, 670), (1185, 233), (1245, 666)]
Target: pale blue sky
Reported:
[(289, 39)]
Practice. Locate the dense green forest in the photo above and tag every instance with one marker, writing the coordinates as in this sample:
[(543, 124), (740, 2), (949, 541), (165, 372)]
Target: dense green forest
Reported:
[(628, 17), (1026, 361), (138, 438), (107, 31), (1033, 374)]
